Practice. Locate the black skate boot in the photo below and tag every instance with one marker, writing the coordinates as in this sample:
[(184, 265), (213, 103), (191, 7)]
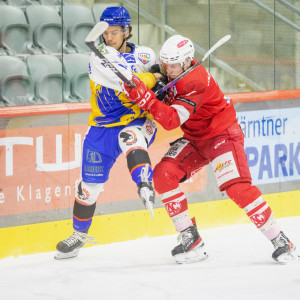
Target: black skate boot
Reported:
[(191, 247), (70, 246), (285, 251), (146, 191)]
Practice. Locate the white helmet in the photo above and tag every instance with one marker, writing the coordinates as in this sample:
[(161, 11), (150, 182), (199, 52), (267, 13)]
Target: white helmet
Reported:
[(176, 49)]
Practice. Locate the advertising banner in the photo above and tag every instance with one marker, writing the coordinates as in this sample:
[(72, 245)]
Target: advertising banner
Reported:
[(272, 144), (40, 168)]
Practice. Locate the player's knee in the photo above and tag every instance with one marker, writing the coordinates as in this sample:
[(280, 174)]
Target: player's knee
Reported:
[(243, 193), (131, 138), (87, 193), (165, 177)]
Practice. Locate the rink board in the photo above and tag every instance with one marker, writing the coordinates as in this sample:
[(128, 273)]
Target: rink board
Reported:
[(43, 237)]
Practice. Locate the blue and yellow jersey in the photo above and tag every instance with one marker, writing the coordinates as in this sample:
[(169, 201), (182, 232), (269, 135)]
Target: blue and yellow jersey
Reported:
[(110, 106)]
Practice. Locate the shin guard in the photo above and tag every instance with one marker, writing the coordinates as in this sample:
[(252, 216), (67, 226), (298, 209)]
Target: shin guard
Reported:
[(82, 216), (137, 160)]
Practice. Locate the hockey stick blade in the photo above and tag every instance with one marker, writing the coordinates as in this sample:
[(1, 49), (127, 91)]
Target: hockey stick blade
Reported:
[(220, 42), (96, 31)]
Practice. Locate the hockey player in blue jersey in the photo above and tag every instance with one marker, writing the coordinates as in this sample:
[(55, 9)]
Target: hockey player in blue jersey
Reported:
[(115, 126)]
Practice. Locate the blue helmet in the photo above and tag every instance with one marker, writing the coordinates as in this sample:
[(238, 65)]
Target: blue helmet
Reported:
[(116, 16)]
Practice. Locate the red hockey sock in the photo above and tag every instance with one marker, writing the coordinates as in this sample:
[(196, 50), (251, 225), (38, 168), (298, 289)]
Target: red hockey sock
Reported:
[(262, 217), (176, 205)]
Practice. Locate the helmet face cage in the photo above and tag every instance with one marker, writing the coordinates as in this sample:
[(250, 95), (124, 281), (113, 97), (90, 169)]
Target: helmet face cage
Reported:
[(177, 49)]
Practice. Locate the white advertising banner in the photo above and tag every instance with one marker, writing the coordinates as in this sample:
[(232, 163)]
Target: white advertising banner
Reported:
[(272, 144)]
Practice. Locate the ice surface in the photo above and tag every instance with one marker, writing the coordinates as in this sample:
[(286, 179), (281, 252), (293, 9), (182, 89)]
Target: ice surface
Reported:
[(239, 267)]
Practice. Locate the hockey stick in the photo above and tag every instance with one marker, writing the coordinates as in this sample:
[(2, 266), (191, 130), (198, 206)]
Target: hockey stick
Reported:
[(97, 30), (220, 42)]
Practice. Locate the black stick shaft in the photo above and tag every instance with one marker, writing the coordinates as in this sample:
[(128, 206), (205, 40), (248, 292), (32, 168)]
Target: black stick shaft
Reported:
[(129, 83)]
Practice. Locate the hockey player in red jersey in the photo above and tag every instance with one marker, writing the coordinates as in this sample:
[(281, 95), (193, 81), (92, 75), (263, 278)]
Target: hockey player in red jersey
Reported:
[(211, 135)]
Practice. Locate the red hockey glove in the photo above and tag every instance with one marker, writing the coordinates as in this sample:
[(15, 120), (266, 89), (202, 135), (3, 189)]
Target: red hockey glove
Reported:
[(141, 95)]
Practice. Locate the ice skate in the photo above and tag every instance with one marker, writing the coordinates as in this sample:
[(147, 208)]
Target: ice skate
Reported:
[(191, 247), (70, 246), (285, 251), (146, 191)]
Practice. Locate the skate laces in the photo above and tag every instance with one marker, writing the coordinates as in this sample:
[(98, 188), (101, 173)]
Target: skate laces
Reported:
[(146, 192), (78, 236), (85, 238), (185, 237), (280, 241), (145, 187)]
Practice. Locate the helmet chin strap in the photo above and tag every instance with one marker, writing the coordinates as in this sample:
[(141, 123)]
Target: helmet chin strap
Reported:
[(124, 30), (122, 44)]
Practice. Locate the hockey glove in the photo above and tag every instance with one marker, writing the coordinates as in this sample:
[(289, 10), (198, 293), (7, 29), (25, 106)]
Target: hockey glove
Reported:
[(155, 69), (158, 86), (141, 95)]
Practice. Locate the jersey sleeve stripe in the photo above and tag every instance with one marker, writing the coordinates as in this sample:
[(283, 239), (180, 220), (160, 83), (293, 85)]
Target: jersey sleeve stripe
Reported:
[(193, 104), (182, 112)]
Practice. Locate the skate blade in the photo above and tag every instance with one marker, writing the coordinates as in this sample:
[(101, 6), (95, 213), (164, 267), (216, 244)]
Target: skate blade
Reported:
[(149, 206), (60, 255), (194, 255), (288, 258)]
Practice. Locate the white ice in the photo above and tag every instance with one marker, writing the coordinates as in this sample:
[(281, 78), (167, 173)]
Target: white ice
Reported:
[(239, 267)]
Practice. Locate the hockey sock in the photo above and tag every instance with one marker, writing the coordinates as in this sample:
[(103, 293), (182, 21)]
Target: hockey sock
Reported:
[(82, 216), (262, 217), (136, 161), (177, 208)]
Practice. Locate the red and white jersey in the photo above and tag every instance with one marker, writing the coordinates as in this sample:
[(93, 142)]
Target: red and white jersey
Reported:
[(197, 104)]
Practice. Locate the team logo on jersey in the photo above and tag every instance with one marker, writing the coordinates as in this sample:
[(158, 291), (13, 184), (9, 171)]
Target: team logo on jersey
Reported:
[(144, 57)]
